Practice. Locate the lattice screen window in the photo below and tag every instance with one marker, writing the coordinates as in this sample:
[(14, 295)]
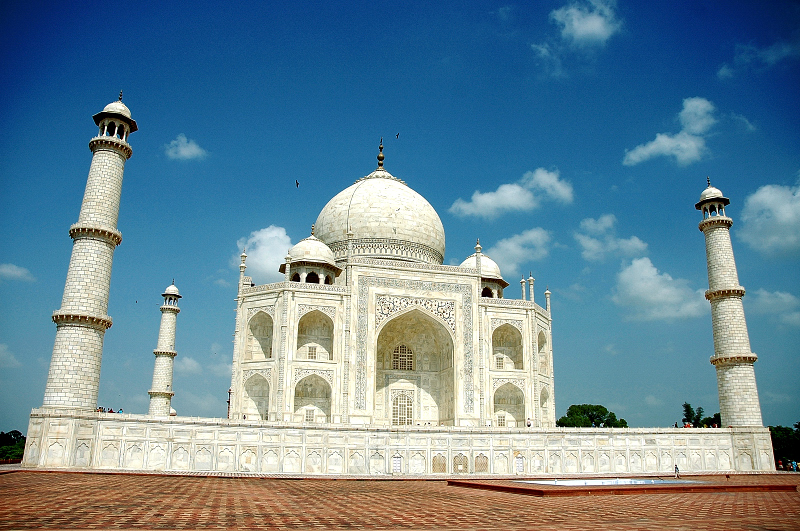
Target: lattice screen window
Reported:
[(499, 363), (501, 420), (402, 410), (309, 415), (312, 353), (402, 358)]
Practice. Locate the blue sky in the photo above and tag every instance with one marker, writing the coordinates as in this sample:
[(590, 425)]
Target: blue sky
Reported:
[(572, 138)]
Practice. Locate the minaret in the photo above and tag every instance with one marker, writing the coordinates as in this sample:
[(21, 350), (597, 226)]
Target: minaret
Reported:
[(161, 391), (82, 320), (736, 380)]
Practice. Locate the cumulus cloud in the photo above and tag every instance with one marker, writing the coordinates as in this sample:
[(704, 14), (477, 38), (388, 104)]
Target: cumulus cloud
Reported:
[(528, 246), (523, 196), (650, 295), (183, 148), (599, 239), (266, 250), (187, 365), (785, 305), (753, 57), (14, 272), (7, 358), (771, 219), (688, 145), (587, 23)]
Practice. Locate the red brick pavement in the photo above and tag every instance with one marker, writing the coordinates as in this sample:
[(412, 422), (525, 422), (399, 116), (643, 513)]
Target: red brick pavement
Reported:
[(59, 500)]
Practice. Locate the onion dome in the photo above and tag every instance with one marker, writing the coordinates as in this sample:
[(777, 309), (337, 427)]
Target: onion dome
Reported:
[(489, 268), (311, 250), (383, 218), (711, 194), (117, 109), (172, 291)]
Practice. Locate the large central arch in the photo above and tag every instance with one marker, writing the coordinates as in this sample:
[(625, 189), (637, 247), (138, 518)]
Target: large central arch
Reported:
[(414, 375)]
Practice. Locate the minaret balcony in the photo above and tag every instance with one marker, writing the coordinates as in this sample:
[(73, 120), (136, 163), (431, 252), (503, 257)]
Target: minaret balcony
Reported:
[(111, 142), (724, 293)]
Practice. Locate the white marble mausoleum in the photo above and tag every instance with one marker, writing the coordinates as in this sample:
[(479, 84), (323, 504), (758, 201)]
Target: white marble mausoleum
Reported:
[(370, 357)]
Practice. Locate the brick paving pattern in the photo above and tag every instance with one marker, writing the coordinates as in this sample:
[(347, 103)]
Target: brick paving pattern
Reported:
[(62, 500)]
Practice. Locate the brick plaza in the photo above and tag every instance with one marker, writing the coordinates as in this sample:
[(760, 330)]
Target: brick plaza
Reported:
[(64, 500)]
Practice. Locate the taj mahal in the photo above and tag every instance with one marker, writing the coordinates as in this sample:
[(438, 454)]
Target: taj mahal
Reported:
[(370, 357)]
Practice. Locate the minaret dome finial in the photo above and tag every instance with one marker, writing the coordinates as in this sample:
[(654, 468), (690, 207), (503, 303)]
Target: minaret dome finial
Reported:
[(120, 95), (708, 180), (380, 155)]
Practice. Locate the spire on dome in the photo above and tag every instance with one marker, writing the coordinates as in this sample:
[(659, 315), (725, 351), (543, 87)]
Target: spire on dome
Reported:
[(708, 179), (312, 229), (120, 95), (380, 155)]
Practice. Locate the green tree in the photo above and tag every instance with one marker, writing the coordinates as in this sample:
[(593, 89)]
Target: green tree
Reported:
[(588, 415), (786, 442), (695, 417), (12, 445)]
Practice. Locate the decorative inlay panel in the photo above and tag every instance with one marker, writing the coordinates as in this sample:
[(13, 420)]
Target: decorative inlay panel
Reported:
[(418, 286), (516, 382), (496, 323), (395, 392), (303, 309), (269, 310), (266, 373), (388, 305), (299, 374)]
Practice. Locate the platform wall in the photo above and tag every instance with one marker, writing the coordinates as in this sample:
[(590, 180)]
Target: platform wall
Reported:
[(64, 439)]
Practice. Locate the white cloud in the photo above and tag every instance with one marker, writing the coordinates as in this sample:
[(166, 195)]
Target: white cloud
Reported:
[(652, 401), (266, 250), (187, 403), (785, 305), (748, 57), (744, 121), (184, 149), (13, 272), (587, 24), (602, 240), (7, 358), (771, 220), (651, 295), (187, 365), (528, 246), (688, 145), (519, 196)]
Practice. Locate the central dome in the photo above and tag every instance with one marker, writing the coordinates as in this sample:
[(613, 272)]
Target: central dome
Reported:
[(385, 218)]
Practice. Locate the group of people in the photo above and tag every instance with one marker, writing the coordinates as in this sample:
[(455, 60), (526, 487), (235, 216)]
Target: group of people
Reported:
[(109, 410), (790, 465)]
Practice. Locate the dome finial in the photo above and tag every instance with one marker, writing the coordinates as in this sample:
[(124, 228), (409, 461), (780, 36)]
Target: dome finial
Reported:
[(708, 180), (120, 95), (380, 155), (312, 229)]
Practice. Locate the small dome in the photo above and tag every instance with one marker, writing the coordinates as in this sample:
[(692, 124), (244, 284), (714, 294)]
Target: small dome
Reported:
[(711, 193), (172, 412), (489, 268), (117, 107), (312, 249), (172, 290)]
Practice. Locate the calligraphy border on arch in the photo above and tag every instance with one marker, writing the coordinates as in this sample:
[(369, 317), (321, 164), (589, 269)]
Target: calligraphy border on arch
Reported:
[(416, 286), (303, 309), (496, 323), (299, 374), (269, 310), (388, 305), (519, 383), (266, 373)]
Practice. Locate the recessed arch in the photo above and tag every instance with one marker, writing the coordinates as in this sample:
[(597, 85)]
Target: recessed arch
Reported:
[(315, 336), (312, 278), (509, 406), (259, 338), (414, 357), (255, 403), (312, 394), (507, 347)]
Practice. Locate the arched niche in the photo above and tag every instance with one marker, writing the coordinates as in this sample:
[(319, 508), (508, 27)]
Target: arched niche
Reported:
[(507, 348), (315, 337), (509, 406), (544, 406), (255, 402), (259, 342), (543, 356), (312, 399), (414, 357)]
